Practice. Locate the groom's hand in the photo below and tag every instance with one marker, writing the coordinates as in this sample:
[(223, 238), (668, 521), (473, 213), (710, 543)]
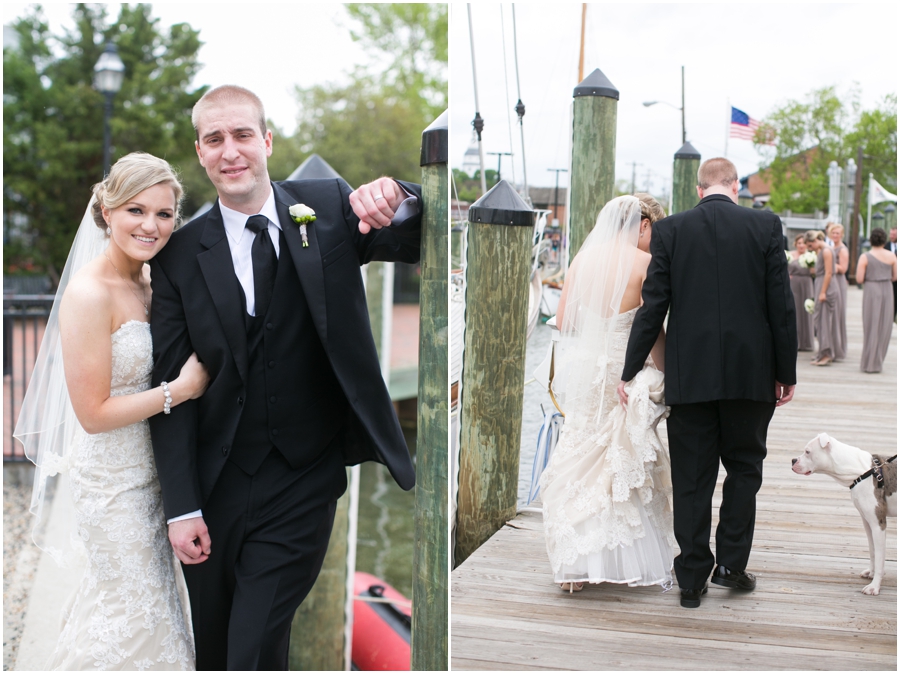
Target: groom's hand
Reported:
[(190, 540), (783, 394), (375, 203)]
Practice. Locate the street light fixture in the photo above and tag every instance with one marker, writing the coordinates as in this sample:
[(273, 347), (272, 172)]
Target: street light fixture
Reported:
[(647, 104), (108, 75)]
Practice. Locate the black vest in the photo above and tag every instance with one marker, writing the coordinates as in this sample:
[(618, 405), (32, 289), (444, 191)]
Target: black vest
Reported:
[(293, 400)]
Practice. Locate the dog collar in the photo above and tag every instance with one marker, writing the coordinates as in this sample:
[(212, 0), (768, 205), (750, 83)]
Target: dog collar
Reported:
[(874, 470)]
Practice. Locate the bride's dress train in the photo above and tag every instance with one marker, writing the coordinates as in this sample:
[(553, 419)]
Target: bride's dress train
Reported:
[(127, 613), (606, 492)]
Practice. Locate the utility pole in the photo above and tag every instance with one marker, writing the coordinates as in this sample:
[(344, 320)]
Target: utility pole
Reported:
[(500, 156), (634, 166), (854, 220), (556, 194)]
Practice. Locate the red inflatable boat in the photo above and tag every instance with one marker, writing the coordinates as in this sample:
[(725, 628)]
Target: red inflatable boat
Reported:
[(380, 629)]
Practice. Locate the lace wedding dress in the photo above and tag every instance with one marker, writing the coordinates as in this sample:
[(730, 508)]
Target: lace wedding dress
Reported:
[(607, 489), (128, 612)]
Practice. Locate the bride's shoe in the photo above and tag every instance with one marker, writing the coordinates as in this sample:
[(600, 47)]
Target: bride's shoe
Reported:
[(571, 587)]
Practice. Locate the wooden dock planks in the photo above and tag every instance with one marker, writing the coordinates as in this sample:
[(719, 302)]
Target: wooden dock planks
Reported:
[(806, 613)]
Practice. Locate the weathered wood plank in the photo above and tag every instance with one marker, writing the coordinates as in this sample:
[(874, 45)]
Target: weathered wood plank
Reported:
[(806, 613)]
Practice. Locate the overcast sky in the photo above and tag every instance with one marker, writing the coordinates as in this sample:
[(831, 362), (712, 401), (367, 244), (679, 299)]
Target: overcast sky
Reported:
[(757, 56), (266, 47)]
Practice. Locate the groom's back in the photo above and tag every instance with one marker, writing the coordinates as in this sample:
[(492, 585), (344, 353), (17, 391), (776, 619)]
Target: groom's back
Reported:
[(727, 334)]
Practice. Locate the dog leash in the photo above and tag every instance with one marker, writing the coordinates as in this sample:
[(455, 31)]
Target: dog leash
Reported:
[(876, 470)]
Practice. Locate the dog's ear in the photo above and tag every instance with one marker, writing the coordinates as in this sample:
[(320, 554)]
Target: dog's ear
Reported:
[(824, 440)]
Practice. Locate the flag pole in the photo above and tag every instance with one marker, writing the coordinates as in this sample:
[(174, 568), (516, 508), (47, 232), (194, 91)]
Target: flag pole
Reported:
[(727, 126), (869, 214)]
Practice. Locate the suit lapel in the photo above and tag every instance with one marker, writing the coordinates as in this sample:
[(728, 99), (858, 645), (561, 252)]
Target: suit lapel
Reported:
[(218, 272), (308, 261)]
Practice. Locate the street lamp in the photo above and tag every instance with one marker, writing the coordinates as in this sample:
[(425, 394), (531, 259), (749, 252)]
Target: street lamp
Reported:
[(647, 104), (108, 75)]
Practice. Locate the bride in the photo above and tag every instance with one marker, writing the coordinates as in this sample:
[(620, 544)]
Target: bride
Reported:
[(606, 491), (84, 416)]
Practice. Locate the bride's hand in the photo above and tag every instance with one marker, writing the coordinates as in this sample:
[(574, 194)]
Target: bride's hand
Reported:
[(194, 376)]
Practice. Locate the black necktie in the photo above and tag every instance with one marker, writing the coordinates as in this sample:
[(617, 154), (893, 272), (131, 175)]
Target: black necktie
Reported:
[(265, 263)]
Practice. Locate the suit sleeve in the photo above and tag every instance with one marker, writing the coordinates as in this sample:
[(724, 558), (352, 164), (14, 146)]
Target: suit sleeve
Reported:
[(656, 294), (780, 307), (174, 435), (397, 243)]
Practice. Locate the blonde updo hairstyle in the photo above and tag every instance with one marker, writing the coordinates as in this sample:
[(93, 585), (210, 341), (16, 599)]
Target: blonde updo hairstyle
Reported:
[(130, 176), (814, 235), (650, 207)]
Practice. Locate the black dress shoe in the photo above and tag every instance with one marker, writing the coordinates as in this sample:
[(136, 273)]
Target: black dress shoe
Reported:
[(691, 598), (738, 580)]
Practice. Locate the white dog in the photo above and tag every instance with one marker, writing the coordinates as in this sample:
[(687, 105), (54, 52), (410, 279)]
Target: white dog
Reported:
[(873, 498)]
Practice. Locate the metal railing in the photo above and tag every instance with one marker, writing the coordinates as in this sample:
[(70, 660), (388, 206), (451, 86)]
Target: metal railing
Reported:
[(24, 320)]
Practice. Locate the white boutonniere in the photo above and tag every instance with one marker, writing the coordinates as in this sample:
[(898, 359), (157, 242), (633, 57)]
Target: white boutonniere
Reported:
[(302, 215), (790, 257), (809, 305)]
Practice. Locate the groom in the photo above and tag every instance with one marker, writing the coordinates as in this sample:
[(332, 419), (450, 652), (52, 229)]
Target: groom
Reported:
[(251, 472), (731, 356)]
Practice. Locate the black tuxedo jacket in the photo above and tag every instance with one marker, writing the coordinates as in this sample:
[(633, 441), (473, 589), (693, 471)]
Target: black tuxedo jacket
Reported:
[(197, 307), (721, 272)]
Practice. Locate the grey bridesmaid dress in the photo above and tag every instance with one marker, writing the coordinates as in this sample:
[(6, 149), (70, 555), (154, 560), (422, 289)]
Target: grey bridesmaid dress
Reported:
[(840, 347), (826, 314), (877, 314), (803, 289)]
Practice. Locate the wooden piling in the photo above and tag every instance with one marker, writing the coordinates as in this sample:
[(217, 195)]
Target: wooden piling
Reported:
[(430, 588), (317, 631), (498, 265), (745, 198), (593, 154), (684, 179), (890, 218)]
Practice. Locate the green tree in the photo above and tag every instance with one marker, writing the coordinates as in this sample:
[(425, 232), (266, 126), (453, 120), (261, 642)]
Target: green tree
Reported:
[(824, 127), (372, 124), (53, 121)]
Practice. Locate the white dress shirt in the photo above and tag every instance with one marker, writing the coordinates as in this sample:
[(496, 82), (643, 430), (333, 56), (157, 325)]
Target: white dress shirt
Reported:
[(240, 241)]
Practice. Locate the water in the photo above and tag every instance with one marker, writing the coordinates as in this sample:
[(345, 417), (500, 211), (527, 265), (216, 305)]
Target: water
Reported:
[(384, 543), (532, 416)]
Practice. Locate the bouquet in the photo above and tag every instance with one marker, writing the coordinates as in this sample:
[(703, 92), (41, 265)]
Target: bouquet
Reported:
[(808, 259), (809, 305)]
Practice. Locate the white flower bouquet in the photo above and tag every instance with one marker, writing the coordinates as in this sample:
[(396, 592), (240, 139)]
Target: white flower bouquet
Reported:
[(809, 305)]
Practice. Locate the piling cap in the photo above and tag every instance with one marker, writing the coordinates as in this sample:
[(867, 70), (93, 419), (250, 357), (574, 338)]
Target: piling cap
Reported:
[(890, 208), (878, 216), (745, 194), (502, 206), (687, 151), (434, 142), (314, 168), (596, 84)]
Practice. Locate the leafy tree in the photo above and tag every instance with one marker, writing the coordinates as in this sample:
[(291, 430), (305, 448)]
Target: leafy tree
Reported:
[(372, 124), (821, 128), (53, 121)]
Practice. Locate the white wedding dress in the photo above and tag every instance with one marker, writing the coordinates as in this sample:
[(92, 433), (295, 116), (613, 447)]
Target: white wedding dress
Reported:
[(606, 491), (129, 611)]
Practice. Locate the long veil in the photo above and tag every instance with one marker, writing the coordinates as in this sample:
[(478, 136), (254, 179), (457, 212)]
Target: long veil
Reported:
[(47, 422), (595, 285)]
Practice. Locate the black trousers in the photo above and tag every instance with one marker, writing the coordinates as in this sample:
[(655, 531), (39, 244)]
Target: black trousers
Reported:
[(700, 435), (268, 537)]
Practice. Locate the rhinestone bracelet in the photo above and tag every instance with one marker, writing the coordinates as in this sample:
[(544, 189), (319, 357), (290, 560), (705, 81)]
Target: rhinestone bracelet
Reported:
[(167, 407)]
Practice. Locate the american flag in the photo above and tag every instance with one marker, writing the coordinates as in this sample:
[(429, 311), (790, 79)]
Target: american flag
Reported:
[(742, 125)]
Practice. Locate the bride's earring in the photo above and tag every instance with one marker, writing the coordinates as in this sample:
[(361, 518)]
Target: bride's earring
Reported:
[(109, 231)]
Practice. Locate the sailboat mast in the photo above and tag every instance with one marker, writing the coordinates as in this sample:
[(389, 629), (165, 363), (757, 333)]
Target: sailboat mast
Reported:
[(520, 109), (478, 122), (581, 53)]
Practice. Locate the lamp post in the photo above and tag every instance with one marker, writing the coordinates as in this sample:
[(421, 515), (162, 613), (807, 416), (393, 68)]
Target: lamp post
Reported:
[(556, 194), (647, 104), (108, 75)]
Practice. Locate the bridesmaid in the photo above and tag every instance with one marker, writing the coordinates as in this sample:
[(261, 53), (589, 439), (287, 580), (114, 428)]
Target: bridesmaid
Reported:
[(842, 254), (827, 297), (876, 268), (802, 288)]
